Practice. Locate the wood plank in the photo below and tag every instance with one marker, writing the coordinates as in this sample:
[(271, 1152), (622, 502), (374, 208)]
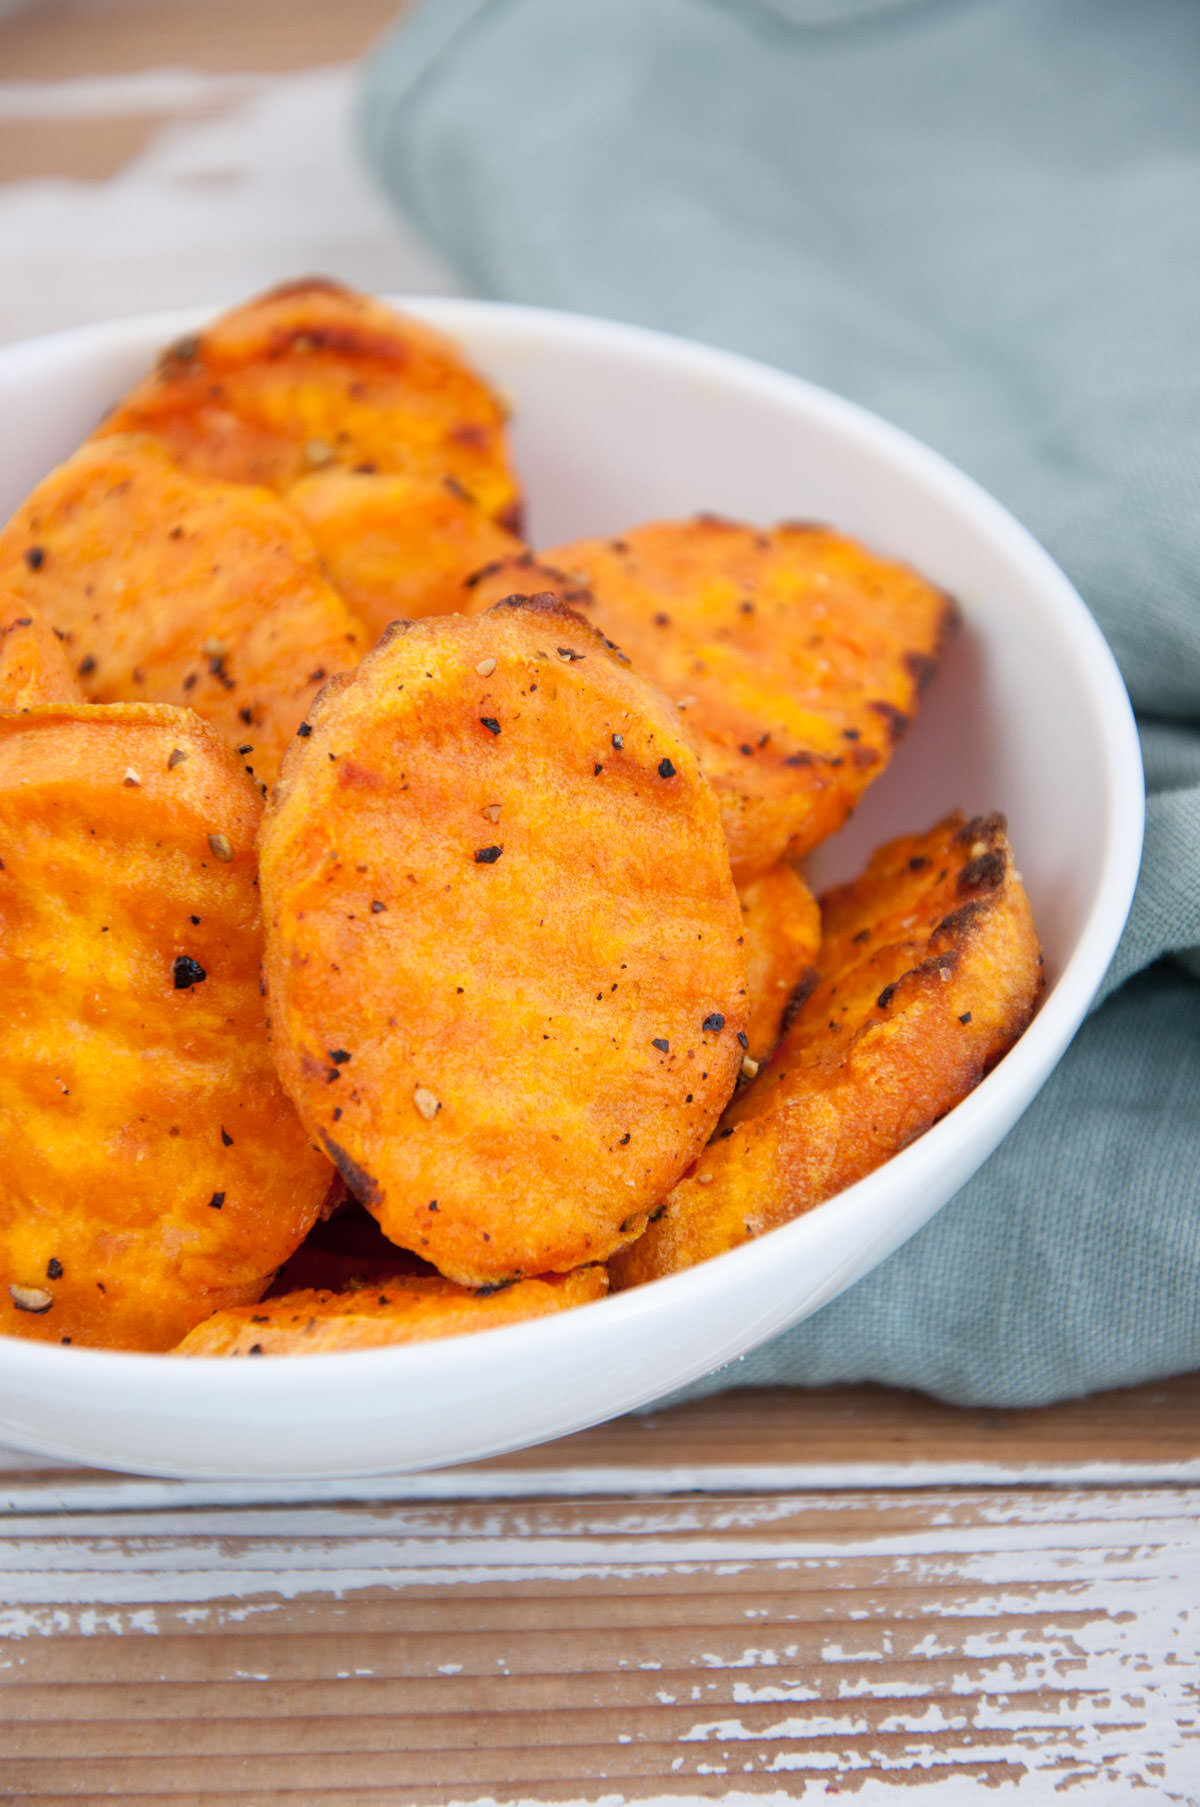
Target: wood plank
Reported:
[(57, 40), (755, 1439), (550, 1649)]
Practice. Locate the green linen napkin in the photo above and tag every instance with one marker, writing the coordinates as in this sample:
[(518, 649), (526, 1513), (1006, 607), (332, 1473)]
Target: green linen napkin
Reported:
[(981, 218)]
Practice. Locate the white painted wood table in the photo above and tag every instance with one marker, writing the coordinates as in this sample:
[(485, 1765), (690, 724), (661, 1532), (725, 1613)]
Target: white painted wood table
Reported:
[(764, 1596), (773, 1595)]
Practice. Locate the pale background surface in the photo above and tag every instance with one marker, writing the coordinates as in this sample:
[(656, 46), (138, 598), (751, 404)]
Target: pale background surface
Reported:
[(153, 155), (775, 1596)]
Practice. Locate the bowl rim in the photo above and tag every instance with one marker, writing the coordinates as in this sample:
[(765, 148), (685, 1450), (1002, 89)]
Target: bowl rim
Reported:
[(159, 1380)]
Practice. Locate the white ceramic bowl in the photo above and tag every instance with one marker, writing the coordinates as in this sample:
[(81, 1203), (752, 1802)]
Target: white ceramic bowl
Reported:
[(1029, 715)]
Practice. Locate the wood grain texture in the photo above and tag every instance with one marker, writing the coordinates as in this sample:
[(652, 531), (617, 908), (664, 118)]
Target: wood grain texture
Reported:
[(606, 1649), (760, 1440)]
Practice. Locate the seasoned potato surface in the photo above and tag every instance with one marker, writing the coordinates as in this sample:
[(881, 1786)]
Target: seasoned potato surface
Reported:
[(503, 962), (169, 589), (930, 970), (34, 663), (312, 375), (397, 546), (798, 656), (151, 1168), (398, 1310)]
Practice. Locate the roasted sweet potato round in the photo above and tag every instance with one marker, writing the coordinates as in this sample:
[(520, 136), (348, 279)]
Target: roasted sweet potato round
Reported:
[(168, 589), (781, 927), (798, 655), (312, 375), (34, 664), (503, 961), (399, 1310), (930, 970), (397, 546), (151, 1169)]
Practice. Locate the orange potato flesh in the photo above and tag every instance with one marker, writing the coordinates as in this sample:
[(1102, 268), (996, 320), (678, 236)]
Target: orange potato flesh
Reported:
[(34, 666), (930, 971), (781, 926), (152, 1169), (313, 374), (798, 655), (397, 1310), (397, 546), (503, 959), (171, 590)]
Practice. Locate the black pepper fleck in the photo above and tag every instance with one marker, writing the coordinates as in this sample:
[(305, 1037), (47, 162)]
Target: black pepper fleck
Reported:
[(487, 856), (216, 1201), (187, 972), (490, 723), (714, 1022), (666, 769), (661, 1043)]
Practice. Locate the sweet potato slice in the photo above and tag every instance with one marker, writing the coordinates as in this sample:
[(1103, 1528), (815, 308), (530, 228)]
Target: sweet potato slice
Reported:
[(798, 655), (399, 1310), (781, 927), (397, 546), (503, 962), (171, 590), (151, 1168), (34, 665), (313, 374), (930, 971)]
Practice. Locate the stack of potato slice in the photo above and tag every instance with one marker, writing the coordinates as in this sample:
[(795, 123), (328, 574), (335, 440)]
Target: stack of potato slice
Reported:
[(402, 930)]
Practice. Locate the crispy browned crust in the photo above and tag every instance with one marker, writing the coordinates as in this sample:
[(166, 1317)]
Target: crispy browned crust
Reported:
[(34, 665), (521, 573), (151, 1168), (781, 927), (399, 1310), (503, 959), (313, 374), (397, 546), (799, 657), (169, 589), (931, 969)]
